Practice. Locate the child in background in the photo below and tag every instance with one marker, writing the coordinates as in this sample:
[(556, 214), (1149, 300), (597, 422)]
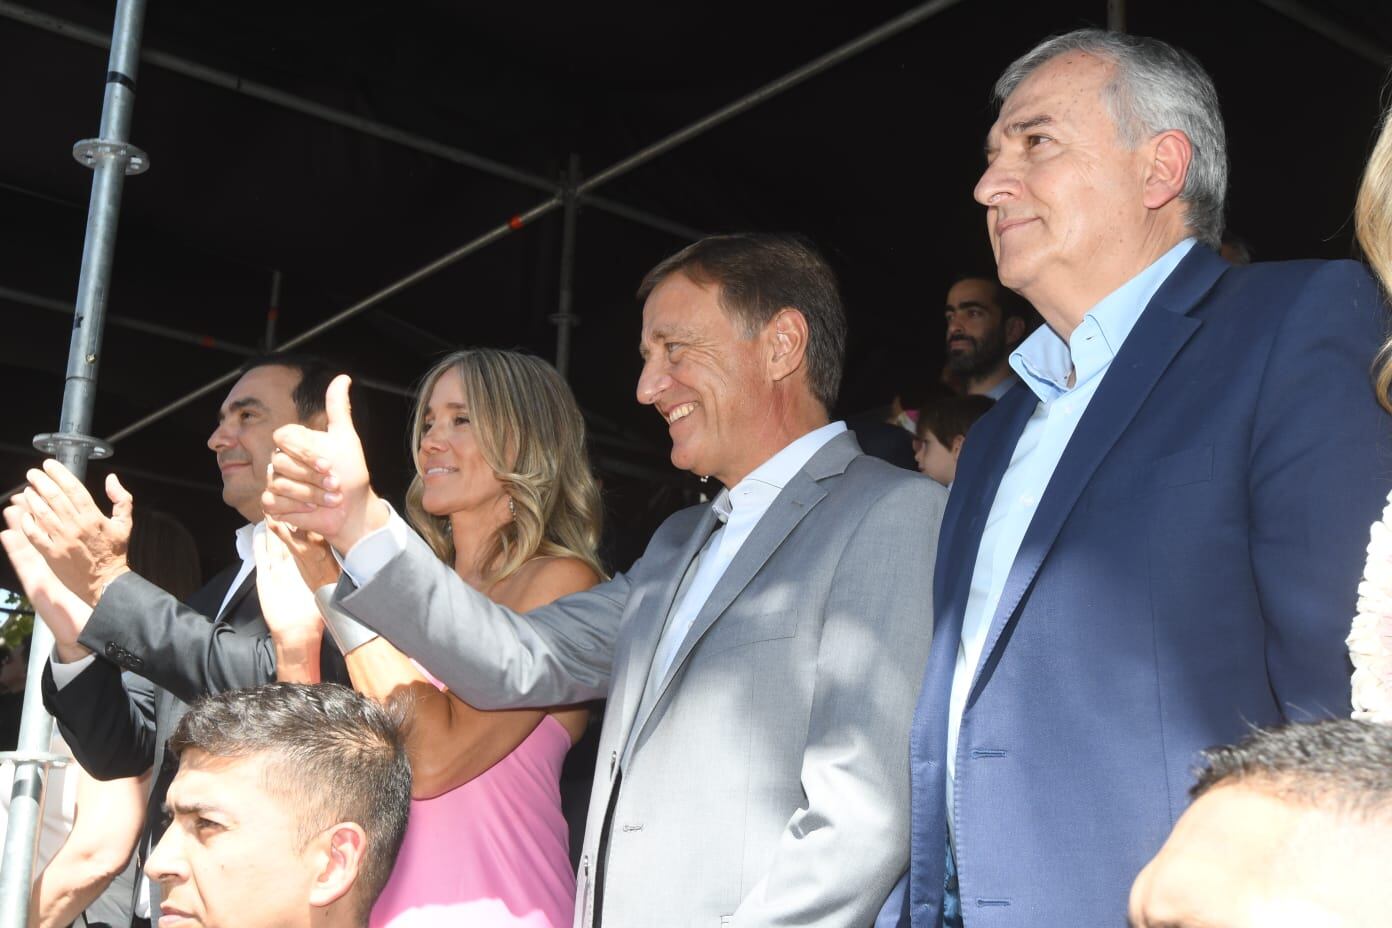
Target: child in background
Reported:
[(942, 428)]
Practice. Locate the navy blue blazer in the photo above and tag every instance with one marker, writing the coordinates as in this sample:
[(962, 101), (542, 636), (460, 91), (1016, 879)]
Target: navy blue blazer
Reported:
[(1191, 571)]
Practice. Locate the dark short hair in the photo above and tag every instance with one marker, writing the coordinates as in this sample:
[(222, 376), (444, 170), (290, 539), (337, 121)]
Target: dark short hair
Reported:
[(315, 375), (1343, 765), (758, 275), (1012, 305), (952, 416), (337, 757)]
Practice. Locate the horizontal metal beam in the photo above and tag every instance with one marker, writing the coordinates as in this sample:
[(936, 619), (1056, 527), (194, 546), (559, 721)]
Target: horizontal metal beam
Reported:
[(24, 298), (306, 107)]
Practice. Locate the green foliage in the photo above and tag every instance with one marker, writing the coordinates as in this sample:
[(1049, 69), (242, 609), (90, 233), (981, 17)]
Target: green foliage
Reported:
[(15, 606)]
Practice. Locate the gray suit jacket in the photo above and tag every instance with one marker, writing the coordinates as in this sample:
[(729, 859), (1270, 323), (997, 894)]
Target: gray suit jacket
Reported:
[(767, 781)]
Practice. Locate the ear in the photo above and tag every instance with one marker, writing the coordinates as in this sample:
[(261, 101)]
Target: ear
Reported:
[(787, 335), (956, 448), (1171, 155), (1014, 330), (338, 852)]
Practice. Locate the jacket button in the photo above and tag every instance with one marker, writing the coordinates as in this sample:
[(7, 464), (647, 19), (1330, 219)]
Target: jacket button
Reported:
[(585, 865)]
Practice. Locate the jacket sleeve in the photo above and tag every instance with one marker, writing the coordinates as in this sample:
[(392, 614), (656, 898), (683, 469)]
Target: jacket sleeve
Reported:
[(490, 656), (107, 718), (145, 630), (1320, 468)]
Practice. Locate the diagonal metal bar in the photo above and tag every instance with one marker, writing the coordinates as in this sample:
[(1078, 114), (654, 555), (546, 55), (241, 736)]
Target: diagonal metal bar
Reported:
[(1317, 22), (370, 127), (767, 92)]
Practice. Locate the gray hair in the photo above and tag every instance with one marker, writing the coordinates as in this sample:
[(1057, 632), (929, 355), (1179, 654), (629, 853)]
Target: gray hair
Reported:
[(1156, 88)]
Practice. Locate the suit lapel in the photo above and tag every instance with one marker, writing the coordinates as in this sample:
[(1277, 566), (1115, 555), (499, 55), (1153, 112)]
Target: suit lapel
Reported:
[(648, 633), (787, 510), (1159, 334), (230, 611)]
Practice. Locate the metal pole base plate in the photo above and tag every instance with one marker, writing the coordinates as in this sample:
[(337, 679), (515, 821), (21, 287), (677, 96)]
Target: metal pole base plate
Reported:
[(54, 442), (89, 151)]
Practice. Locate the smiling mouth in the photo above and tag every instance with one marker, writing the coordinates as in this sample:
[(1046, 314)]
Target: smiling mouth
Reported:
[(439, 471), (1004, 227), (678, 413)]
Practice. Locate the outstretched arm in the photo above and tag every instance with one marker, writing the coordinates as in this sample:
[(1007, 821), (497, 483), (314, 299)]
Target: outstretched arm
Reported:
[(490, 656)]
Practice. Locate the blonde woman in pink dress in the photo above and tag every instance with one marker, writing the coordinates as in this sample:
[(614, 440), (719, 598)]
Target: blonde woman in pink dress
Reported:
[(503, 491)]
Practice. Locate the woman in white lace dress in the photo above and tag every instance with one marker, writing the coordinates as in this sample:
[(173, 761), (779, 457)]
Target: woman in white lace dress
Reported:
[(1370, 641)]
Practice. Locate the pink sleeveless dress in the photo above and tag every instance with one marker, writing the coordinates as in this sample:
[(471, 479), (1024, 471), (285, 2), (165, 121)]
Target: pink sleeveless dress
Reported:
[(494, 852)]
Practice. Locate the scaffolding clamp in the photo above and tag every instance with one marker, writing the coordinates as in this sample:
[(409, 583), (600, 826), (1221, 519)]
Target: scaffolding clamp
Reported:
[(53, 443), (44, 758), (90, 151)]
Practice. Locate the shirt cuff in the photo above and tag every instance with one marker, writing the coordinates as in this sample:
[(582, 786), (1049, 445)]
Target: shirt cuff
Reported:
[(63, 674), (375, 549)]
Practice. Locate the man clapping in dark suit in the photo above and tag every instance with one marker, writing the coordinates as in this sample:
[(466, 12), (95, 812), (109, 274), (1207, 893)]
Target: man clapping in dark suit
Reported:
[(106, 619)]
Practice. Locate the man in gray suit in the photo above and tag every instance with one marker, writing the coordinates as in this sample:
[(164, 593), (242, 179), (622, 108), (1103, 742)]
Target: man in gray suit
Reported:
[(760, 660)]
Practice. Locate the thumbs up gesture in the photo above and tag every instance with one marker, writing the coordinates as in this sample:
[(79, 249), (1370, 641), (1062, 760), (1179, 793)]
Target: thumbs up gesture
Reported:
[(318, 481)]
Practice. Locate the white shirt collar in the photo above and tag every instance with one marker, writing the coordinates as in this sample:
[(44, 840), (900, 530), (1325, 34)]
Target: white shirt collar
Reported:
[(757, 490), (246, 540), (1044, 361)]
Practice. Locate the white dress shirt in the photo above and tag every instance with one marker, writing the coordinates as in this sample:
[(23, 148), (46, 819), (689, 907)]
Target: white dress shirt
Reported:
[(1044, 362)]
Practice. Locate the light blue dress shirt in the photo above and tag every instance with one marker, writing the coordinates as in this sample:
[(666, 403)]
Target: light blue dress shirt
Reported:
[(1044, 362)]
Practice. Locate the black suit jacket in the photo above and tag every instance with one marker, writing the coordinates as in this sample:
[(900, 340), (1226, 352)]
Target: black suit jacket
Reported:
[(117, 723)]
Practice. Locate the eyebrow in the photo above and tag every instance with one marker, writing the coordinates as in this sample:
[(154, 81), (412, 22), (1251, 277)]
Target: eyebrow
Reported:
[(246, 402), (966, 304), (1019, 127), (190, 808), (660, 336)]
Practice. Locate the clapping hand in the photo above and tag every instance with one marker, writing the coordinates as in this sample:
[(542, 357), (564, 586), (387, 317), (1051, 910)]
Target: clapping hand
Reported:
[(318, 481), (64, 614), (288, 568), (83, 547)]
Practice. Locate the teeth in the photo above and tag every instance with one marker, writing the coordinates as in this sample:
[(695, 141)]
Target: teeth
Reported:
[(440, 470), (681, 412)]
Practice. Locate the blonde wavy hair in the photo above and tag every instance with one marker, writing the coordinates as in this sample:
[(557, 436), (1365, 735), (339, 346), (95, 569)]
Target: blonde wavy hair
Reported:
[(1373, 221), (531, 434)]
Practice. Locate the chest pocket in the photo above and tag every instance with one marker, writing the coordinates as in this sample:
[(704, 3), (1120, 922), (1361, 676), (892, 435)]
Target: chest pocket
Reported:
[(1181, 468), (738, 630)]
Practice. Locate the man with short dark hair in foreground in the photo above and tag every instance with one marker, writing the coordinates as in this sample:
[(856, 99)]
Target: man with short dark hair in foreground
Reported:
[(288, 809), (1291, 826)]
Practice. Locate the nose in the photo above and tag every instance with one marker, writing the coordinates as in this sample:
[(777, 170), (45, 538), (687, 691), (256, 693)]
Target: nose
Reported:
[(653, 380), (997, 182), (221, 438), (165, 862), (430, 441)]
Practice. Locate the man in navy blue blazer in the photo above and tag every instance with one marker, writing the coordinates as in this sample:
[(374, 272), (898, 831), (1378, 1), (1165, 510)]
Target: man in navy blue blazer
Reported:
[(1156, 538)]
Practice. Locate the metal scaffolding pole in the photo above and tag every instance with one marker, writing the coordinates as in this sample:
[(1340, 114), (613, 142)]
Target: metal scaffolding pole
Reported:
[(565, 318), (237, 84), (662, 146), (111, 158), (1116, 15)]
